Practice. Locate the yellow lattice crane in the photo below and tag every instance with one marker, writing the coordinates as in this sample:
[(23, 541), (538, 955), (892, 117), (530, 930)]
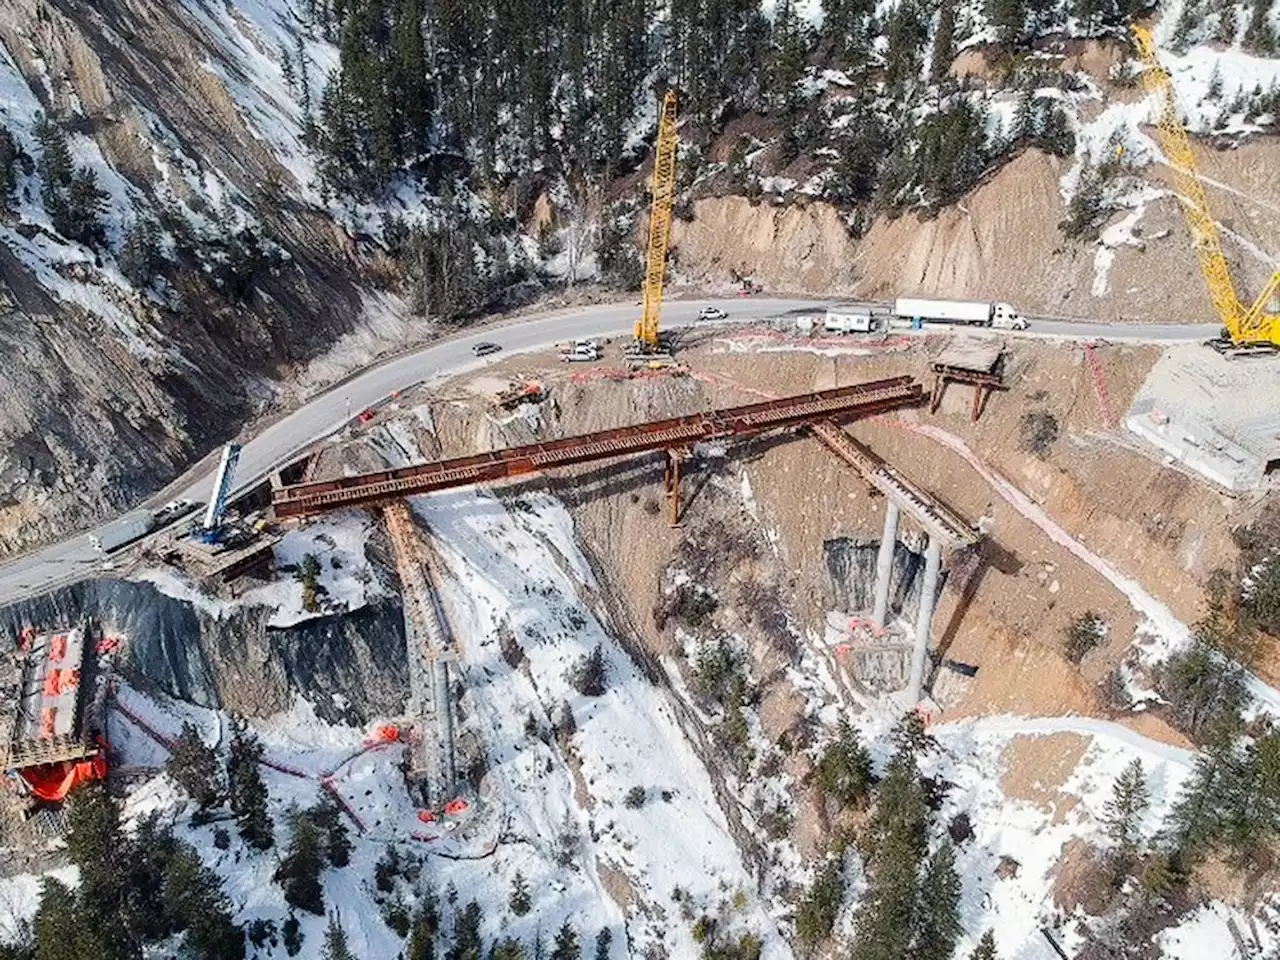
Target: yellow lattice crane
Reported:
[(664, 195), (1245, 328)]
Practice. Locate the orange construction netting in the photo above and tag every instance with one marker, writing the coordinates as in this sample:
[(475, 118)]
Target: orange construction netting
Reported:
[(54, 781)]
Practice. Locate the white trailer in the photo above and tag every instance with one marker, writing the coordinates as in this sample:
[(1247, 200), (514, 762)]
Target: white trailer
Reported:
[(982, 313), (122, 532), (849, 318)]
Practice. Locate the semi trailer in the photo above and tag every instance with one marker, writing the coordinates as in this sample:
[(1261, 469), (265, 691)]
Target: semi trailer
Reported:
[(981, 313), (122, 532)]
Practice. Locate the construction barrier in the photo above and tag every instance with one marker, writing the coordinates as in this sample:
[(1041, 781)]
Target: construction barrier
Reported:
[(54, 781), (341, 801)]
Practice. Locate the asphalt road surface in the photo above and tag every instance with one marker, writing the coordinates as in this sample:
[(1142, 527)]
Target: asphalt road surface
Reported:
[(75, 559)]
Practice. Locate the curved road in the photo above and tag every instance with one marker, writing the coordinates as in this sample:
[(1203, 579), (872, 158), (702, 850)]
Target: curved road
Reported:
[(74, 559)]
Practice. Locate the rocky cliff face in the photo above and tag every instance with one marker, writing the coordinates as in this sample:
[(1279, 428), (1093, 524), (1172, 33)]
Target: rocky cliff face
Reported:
[(111, 388), (351, 667)]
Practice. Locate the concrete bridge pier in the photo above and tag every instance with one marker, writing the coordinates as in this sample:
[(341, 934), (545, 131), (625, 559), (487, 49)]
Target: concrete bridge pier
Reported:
[(884, 562), (928, 602)]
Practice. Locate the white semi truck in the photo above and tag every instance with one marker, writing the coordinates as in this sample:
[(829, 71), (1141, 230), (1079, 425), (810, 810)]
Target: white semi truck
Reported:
[(982, 313)]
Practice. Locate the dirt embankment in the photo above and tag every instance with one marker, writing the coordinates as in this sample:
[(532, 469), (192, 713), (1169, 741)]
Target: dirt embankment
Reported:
[(1002, 242)]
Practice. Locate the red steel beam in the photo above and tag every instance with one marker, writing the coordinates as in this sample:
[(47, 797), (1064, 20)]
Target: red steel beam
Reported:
[(841, 403)]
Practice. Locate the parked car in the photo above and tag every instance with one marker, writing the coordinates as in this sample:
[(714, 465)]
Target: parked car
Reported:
[(485, 348), (712, 313)]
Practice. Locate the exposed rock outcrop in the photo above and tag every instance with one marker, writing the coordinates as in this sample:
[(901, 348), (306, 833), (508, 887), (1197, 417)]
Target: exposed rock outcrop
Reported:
[(351, 667)]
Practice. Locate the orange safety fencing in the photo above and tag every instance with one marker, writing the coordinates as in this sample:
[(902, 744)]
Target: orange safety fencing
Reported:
[(54, 781), (57, 647)]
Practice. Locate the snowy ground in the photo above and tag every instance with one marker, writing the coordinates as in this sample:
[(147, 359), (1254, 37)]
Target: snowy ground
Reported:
[(347, 578)]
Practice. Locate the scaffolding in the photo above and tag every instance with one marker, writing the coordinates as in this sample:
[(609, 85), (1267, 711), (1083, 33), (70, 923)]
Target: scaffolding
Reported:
[(430, 653)]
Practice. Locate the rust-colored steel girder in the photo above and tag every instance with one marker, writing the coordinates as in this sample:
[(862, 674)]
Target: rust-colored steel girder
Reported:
[(841, 403)]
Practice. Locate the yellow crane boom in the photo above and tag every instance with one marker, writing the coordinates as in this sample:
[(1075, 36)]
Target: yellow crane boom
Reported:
[(1245, 326), (664, 195)]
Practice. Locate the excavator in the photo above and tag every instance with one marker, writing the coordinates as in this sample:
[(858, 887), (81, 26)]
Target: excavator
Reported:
[(1245, 329), (648, 341)]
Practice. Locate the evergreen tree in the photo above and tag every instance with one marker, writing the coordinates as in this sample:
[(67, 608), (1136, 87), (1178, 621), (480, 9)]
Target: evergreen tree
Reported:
[(787, 70), (60, 934), (333, 827), (844, 769), (604, 940), (140, 260), (519, 901), (506, 949), (193, 897), (192, 765), (1207, 693), (906, 32), (1122, 815), (986, 948), (817, 912), (1260, 36), (422, 931), (335, 940), (1195, 817), (938, 912), (944, 42), (97, 846), (566, 943), (13, 161), (1009, 17), (299, 871), (589, 676), (291, 932), (71, 195), (467, 944), (248, 792)]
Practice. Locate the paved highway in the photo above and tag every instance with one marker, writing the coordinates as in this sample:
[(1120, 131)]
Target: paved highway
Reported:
[(74, 559)]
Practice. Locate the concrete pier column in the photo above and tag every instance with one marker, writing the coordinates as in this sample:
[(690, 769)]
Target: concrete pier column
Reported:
[(928, 600), (884, 562)]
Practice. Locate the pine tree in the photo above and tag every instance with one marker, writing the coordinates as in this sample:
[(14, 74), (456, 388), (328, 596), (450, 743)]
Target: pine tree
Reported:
[(422, 931), (844, 769), (467, 944), (60, 934), (192, 765), (13, 161), (248, 792), (944, 42), (299, 871), (590, 675), (604, 940), (335, 841), (817, 912), (193, 897), (938, 912), (291, 932), (1195, 819), (335, 940), (519, 901), (1009, 17), (986, 948), (566, 943), (507, 949), (1122, 815), (96, 844)]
